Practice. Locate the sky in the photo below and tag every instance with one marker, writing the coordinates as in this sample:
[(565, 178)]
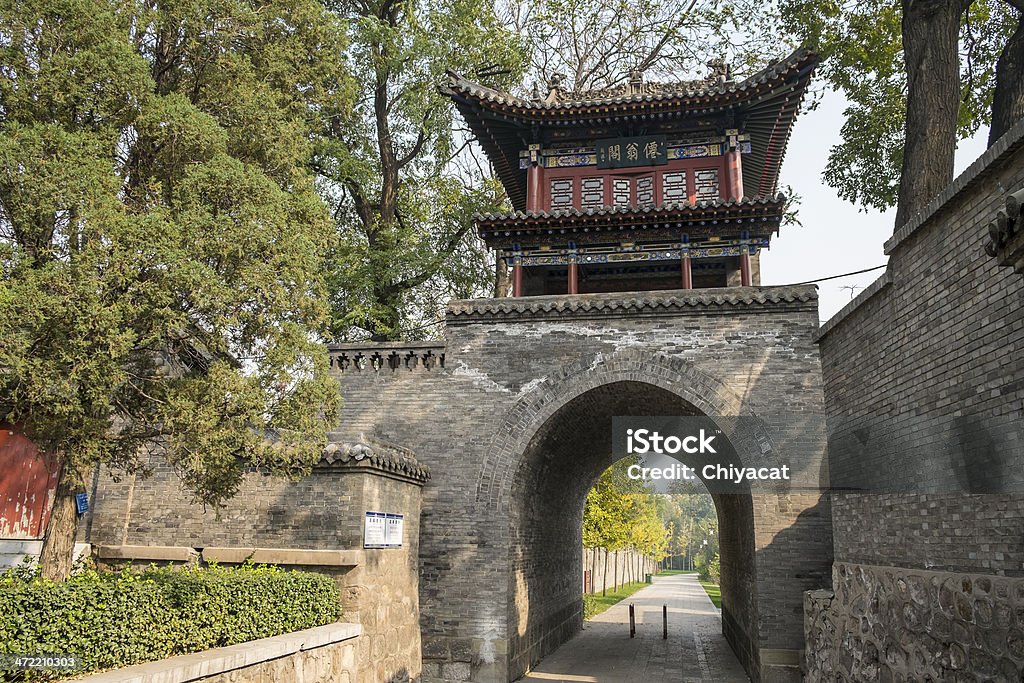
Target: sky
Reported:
[(836, 237)]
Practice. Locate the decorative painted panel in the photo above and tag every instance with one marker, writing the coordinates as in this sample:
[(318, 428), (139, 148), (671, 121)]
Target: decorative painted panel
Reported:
[(695, 151), (561, 193), (621, 192), (673, 188), (592, 195), (706, 182)]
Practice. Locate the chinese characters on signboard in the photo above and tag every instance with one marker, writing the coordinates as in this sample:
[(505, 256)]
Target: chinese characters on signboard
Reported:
[(630, 152), (383, 530)]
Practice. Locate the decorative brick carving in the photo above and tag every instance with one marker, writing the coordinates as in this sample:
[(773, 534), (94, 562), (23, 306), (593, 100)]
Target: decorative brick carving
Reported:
[(387, 357), (376, 455), (1005, 239)]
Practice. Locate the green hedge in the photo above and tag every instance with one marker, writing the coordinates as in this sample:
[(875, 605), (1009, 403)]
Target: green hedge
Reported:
[(117, 619)]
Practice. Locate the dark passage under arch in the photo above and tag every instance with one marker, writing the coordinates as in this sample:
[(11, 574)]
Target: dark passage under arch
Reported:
[(561, 463)]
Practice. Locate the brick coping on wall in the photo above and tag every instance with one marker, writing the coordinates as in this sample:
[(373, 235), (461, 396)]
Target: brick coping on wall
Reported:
[(883, 281), (1013, 139), (1010, 142), (311, 557), (200, 665), (658, 303)]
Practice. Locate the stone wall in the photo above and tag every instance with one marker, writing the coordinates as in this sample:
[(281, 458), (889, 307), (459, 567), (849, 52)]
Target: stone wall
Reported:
[(314, 523), (324, 654), (896, 624), (925, 391)]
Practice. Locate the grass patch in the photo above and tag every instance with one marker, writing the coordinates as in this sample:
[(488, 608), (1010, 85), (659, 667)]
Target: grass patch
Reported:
[(597, 603), (675, 572), (714, 592)]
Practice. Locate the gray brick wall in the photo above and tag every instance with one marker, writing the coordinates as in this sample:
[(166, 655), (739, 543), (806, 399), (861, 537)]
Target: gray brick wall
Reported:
[(924, 386), (323, 511)]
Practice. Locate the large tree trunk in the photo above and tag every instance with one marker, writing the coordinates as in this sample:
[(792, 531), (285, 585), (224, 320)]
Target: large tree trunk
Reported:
[(931, 29), (1008, 99), (58, 551)]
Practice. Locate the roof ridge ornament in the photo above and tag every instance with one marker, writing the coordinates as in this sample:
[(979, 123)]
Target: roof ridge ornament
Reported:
[(554, 83), (636, 81), (721, 72)]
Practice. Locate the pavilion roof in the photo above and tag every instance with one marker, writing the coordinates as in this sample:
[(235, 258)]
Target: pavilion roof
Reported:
[(758, 217), (765, 106)]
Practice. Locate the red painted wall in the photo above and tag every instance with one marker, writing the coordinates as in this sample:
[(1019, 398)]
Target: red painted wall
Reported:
[(28, 483)]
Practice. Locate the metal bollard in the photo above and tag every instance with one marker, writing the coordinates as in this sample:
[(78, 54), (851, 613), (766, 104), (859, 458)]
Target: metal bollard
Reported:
[(664, 622), (632, 621)]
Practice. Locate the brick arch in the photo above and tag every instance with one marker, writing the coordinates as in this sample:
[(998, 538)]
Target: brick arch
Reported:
[(526, 417)]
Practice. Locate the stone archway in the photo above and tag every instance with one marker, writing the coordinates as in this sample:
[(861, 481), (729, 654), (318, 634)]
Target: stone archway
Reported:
[(705, 393), (556, 458)]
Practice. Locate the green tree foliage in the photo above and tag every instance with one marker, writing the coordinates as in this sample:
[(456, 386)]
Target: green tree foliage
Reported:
[(612, 507), (160, 240), (402, 187), (621, 513), (863, 48)]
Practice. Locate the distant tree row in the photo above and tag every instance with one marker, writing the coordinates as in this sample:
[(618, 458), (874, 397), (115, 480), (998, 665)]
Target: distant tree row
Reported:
[(623, 514)]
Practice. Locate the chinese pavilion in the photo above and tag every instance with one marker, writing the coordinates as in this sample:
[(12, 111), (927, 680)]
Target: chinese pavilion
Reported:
[(643, 186)]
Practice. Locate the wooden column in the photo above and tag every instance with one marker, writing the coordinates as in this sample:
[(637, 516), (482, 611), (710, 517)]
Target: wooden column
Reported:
[(684, 263), (534, 181), (745, 269), (517, 278), (574, 278), (733, 166), (735, 174)]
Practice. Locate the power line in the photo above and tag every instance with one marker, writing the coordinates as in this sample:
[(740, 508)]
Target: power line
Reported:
[(834, 277), (795, 284)]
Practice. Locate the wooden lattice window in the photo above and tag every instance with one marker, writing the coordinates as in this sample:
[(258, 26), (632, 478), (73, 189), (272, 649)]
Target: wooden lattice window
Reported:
[(645, 191), (592, 193), (706, 184), (673, 188), (561, 193), (622, 192)]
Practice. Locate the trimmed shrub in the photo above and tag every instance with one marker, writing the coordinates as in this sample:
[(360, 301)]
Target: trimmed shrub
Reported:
[(114, 619)]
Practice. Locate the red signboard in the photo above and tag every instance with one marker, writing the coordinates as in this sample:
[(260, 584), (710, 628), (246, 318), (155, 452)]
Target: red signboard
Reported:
[(28, 483)]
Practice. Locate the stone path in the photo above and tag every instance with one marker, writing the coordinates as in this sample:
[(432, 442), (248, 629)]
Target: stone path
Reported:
[(695, 652)]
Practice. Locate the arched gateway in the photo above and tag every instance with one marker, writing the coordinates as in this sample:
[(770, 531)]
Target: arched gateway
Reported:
[(512, 413), (632, 257)]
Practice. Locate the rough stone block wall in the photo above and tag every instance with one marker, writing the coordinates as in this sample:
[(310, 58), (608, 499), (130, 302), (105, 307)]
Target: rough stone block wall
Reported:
[(924, 386), (897, 624), (323, 511)]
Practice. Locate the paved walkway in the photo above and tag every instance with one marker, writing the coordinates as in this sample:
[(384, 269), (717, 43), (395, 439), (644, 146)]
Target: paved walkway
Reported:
[(695, 652)]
